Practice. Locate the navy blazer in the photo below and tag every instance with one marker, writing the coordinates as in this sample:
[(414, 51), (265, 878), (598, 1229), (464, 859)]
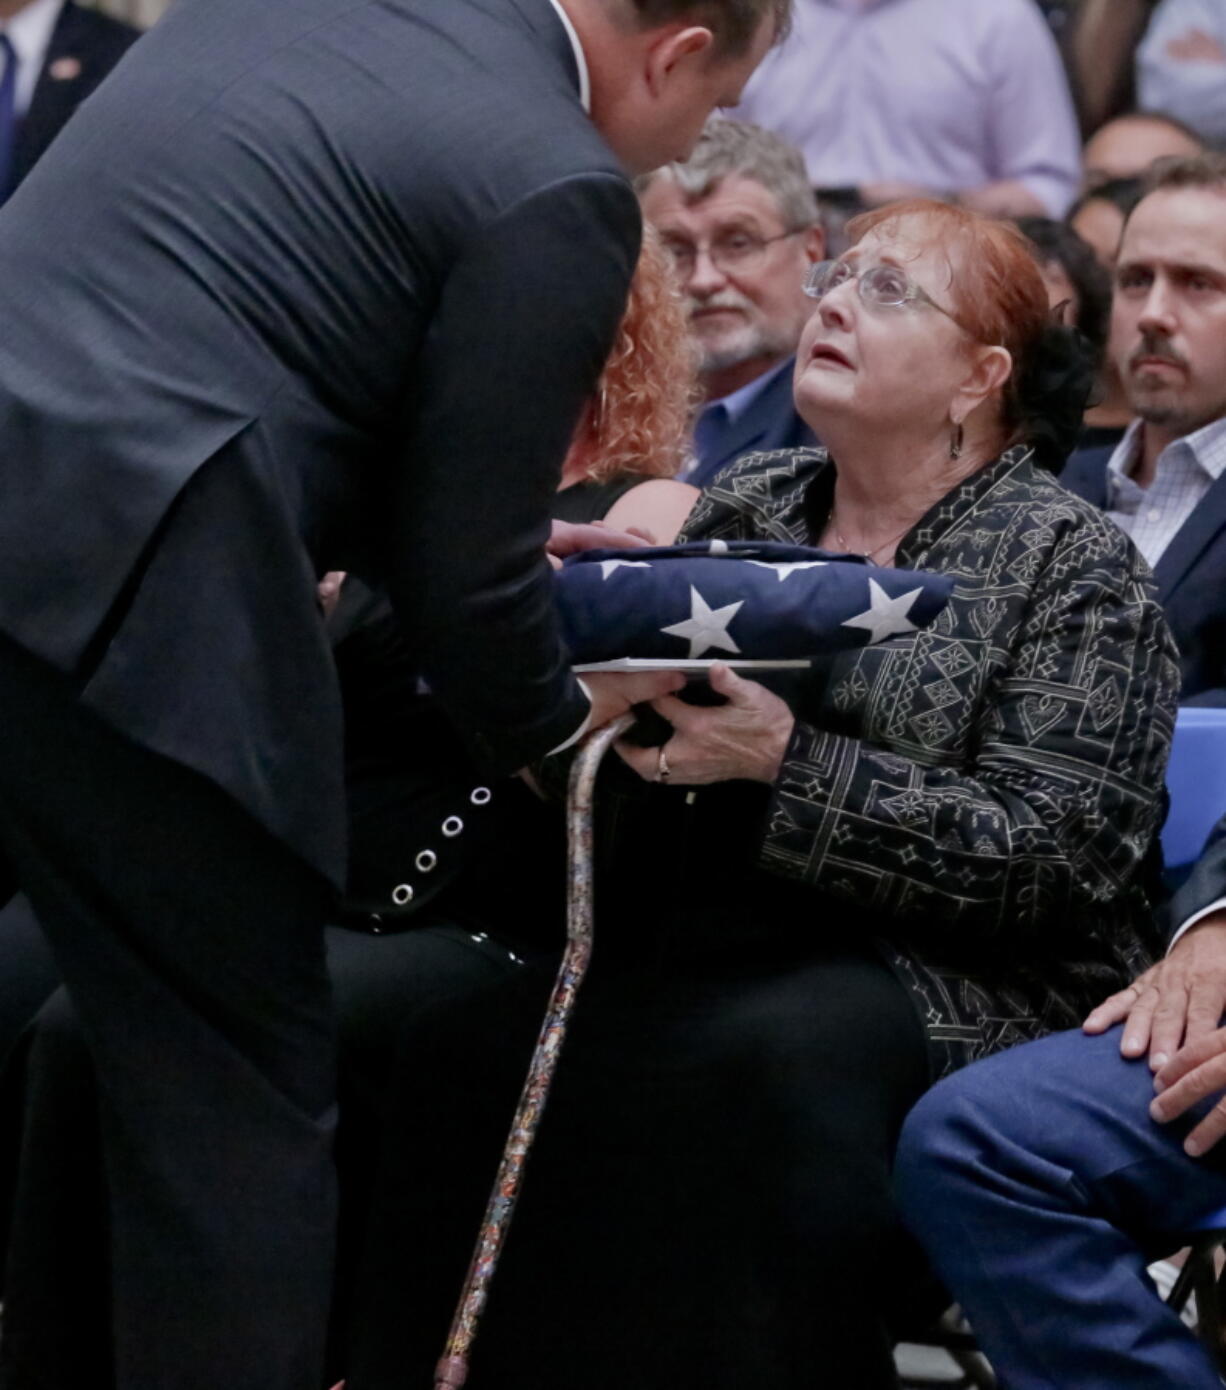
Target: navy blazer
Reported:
[(1204, 885), (85, 45), (770, 423), (1191, 578), (320, 284)]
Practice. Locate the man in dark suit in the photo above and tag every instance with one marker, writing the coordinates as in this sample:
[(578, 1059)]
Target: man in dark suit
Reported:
[(1165, 483), (742, 224), (53, 53), (345, 277)]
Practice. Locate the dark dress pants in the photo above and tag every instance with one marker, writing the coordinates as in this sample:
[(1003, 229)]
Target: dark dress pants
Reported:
[(56, 1274), (1042, 1189), (191, 943), (708, 1204)]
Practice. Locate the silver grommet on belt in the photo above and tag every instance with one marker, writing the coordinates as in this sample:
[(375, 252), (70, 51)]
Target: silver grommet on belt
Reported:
[(425, 861), (402, 895), (452, 827), (480, 796)]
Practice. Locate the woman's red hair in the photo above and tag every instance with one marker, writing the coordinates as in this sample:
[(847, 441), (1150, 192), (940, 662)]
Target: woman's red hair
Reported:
[(639, 421), (998, 293)]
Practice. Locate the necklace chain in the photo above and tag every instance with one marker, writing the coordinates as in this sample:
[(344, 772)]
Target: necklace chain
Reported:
[(864, 554)]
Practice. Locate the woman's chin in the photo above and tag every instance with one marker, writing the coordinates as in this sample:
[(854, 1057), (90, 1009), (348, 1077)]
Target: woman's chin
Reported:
[(819, 400)]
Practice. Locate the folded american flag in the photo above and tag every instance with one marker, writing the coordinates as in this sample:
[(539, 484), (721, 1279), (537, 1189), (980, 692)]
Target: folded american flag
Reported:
[(756, 600)]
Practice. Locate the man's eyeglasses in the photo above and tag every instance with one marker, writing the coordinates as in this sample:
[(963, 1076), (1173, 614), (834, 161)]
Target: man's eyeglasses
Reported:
[(880, 286), (732, 252)]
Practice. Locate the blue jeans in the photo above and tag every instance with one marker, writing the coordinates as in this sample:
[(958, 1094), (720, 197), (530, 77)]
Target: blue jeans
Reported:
[(1041, 1189)]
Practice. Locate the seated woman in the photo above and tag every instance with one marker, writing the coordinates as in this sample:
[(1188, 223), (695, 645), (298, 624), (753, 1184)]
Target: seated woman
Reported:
[(814, 899)]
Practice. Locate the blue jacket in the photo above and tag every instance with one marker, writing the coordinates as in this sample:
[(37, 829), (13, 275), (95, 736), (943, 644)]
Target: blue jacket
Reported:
[(1191, 578), (771, 422)]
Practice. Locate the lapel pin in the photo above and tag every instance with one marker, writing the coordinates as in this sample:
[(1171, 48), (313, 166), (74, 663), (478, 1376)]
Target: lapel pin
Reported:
[(64, 69)]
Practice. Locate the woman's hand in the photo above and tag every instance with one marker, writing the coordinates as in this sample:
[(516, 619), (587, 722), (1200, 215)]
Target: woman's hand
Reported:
[(744, 739)]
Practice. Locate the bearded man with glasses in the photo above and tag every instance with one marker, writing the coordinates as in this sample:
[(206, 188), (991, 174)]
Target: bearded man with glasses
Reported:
[(741, 223)]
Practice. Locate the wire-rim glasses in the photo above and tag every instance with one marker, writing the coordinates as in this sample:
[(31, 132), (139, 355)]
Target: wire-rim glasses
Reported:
[(880, 286), (730, 252)]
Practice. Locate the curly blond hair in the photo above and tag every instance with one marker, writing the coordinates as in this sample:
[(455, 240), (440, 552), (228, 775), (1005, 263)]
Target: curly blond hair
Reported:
[(639, 420)]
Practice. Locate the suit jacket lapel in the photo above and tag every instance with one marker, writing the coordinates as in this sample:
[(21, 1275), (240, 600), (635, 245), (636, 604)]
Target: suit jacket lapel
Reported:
[(1206, 521), (54, 97)]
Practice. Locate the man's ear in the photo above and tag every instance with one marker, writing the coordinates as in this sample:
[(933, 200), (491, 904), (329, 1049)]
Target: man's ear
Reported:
[(676, 49), (815, 243)]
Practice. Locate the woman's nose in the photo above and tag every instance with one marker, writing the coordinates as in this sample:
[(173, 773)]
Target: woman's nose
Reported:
[(836, 306)]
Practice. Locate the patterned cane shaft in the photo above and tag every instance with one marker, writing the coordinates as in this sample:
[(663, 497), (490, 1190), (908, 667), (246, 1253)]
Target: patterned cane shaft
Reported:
[(452, 1369)]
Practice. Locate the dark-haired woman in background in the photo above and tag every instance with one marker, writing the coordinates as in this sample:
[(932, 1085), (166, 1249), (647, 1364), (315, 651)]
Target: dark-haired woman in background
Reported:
[(812, 903), (1079, 286)]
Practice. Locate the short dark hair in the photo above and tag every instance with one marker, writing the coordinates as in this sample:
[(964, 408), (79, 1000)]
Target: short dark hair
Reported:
[(733, 22), (1057, 243), (1206, 170), (1124, 194)]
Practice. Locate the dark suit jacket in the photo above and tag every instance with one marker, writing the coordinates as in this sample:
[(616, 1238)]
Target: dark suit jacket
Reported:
[(1191, 578), (85, 46), (1205, 885), (771, 422), (365, 262)]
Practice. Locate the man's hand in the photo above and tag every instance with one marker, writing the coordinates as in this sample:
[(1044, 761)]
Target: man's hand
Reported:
[(1196, 46), (569, 538), (613, 692), (1194, 1073), (1177, 1003), (743, 739)]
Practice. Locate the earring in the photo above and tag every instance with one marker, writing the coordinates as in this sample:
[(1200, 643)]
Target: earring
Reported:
[(955, 440)]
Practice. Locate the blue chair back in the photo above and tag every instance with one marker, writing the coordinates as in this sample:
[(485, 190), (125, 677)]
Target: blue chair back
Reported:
[(1196, 782)]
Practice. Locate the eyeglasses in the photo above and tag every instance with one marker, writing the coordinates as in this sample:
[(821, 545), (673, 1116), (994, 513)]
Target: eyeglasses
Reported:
[(733, 252), (880, 286)]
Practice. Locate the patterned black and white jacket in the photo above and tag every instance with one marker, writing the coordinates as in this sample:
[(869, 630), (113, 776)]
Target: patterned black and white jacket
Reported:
[(984, 794)]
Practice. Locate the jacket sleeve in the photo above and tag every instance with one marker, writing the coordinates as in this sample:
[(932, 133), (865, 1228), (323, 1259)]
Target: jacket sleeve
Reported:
[(526, 319), (1058, 802), (1204, 886)]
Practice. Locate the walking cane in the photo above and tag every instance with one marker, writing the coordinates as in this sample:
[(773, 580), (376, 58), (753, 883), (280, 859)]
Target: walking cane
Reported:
[(452, 1369)]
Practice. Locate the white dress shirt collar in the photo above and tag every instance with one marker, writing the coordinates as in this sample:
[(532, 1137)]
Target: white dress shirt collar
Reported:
[(1207, 446), (585, 81), (29, 32)]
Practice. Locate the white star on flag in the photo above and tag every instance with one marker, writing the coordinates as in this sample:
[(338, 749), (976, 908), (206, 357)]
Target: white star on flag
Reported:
[(706, 627), (885, 616), (782, 570), (608, 566)]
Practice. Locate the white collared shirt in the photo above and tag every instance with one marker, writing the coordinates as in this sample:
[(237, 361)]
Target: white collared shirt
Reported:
[(29, 31), (1186, 469), (585, 80)]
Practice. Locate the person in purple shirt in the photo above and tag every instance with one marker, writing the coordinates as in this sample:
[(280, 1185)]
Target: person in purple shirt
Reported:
[(900, 98)]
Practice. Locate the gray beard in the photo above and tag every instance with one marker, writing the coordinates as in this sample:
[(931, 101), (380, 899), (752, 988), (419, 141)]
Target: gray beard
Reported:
[(744, 347)]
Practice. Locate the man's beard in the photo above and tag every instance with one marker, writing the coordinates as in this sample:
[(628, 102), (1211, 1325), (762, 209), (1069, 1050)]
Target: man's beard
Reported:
[(1159, 404), (742, 343)]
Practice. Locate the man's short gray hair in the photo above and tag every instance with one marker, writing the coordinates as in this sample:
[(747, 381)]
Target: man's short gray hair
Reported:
[(728, 148)]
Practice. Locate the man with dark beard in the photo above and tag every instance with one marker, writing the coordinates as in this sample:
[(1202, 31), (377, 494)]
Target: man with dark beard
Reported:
[(741, 222), (1164, 483)]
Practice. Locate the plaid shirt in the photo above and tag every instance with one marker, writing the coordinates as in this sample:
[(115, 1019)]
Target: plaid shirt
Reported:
[(1186, 470)]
